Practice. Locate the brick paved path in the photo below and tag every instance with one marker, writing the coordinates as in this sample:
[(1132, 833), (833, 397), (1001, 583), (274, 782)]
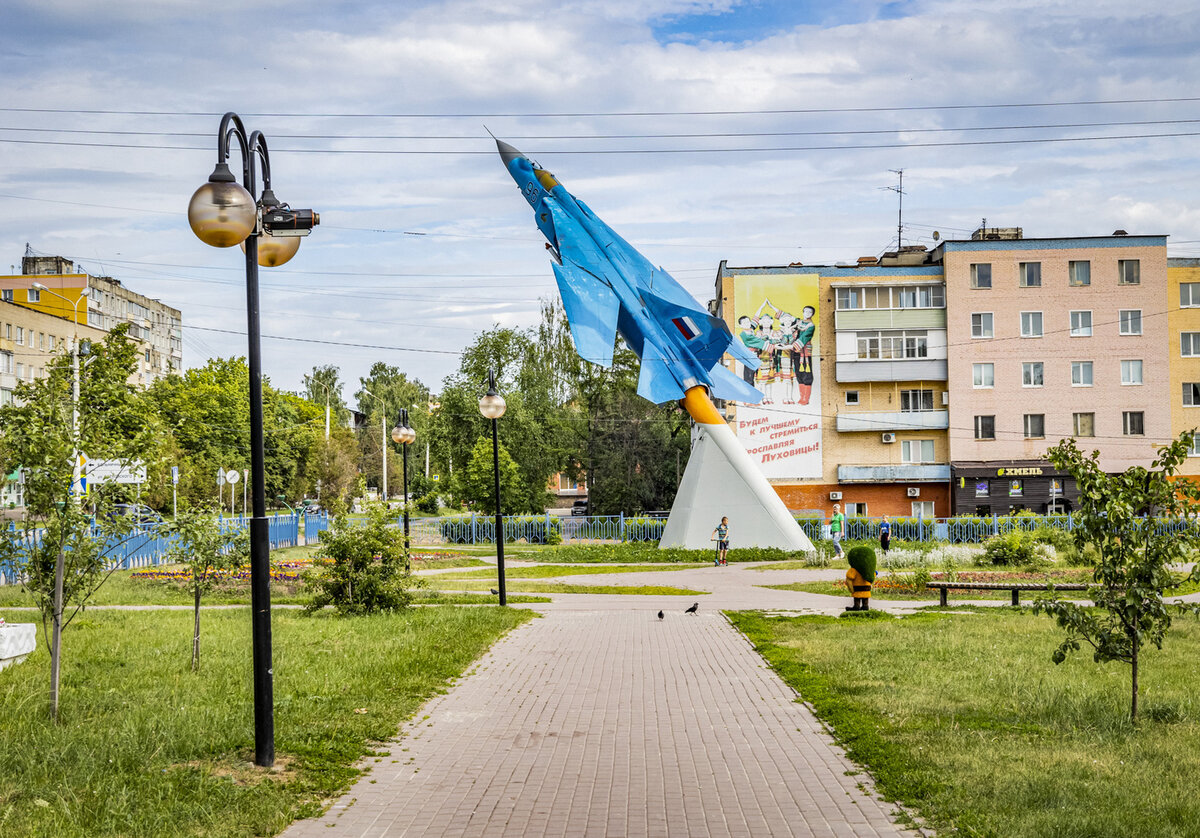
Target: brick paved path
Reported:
[(610, 723)]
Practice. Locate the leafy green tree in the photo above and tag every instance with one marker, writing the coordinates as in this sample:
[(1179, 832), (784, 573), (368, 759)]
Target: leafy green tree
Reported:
[(324, 386), (369, 570), (208, 548), (1134, 552), (39, 434), (391, 390), (477, 485)]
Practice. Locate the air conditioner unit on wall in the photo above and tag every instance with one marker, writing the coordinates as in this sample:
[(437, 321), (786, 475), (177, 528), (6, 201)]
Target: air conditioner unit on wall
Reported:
[(914, 492), (887, 437), (835, 495)]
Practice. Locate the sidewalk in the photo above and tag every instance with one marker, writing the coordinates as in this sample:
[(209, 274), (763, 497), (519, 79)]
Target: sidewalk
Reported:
[(610, 723)]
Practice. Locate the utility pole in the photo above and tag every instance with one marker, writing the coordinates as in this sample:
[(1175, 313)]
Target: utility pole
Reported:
[(899, 190)]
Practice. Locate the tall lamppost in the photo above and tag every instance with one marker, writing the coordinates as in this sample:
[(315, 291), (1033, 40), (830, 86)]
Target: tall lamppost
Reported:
[(326, 386), (383, 443), (492, 406), (223, 213), (405, 436)]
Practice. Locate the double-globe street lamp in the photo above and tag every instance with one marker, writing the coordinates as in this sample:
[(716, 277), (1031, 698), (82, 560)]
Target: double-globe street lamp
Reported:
[(492, 406), (223, 213), (404, 436)]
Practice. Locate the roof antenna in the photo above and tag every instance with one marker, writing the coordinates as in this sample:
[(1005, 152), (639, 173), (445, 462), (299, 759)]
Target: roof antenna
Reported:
[(899, 190)]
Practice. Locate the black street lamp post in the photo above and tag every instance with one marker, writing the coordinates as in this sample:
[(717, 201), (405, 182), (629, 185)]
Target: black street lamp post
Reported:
[(222, 214), (492, 407), (404, 436)]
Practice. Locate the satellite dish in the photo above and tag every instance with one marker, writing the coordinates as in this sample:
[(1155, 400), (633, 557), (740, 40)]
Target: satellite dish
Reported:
[(936, 235)]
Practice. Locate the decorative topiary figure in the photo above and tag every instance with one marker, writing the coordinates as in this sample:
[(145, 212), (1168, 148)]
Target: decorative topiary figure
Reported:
[(860, 576)]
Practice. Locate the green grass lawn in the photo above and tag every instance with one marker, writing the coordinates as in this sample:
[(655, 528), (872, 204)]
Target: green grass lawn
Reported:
[(147, 748), (548, 571), (962, 716), (908, 592)]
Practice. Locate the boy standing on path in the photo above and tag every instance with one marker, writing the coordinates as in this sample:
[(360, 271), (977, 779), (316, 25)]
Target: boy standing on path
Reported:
[(721, 536), (836, 524), (885, 534)]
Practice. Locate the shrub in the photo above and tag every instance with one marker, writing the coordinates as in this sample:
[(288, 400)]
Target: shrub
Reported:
[(862, 559), (369, 566), (1010, 549), (427, 504)]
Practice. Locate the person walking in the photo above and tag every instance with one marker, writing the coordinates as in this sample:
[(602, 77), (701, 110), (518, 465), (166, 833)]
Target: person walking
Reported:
[(885, 534), (721, 536), (837, 525)]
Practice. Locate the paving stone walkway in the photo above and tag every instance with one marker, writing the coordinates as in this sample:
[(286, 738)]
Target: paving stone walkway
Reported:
[(608, 722)]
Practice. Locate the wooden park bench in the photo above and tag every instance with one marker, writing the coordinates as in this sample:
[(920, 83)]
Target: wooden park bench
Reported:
[(1016, 587)]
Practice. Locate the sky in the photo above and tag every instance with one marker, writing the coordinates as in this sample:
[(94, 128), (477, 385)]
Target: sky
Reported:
[(761, 132)]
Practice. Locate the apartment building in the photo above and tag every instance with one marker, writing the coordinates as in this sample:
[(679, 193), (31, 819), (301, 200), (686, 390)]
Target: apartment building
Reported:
[(102, 303), (1183, 351), (1052, 338), (29, 340), (870, 431)]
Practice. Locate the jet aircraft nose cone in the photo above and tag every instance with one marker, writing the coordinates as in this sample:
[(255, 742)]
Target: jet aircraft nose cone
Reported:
[(507, 152)]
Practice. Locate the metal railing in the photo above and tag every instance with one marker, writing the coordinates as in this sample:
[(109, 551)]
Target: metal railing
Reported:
[(143, 546)]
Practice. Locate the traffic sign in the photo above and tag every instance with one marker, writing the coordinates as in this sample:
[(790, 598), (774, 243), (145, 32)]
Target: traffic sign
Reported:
[(232, 476), (174, 474)]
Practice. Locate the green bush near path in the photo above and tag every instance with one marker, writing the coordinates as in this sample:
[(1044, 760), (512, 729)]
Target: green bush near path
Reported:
[(147, 748), (962, 716)]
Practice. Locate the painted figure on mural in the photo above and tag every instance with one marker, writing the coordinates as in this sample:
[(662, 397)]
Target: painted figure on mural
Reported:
[(752, 337), (802, 359)]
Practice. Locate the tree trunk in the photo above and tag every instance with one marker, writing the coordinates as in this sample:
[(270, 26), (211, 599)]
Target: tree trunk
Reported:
[(196, 634), (1133, 703), (56, 636)]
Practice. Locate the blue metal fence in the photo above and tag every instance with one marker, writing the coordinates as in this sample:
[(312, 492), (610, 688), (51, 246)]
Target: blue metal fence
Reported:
[(145, 546)]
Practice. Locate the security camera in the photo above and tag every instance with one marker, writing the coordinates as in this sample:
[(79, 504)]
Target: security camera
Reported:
[(285, 221)]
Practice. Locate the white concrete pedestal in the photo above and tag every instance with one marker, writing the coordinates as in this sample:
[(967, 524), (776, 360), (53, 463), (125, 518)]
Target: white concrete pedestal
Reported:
[(17, 640)]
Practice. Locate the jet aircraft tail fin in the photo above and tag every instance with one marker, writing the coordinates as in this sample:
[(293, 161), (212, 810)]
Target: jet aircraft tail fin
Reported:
[(656, 383), (732, 388)]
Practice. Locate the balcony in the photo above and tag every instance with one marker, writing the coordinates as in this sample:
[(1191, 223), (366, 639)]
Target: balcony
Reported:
[(861, 320), (907, 473), (916, 369), (923, 420)]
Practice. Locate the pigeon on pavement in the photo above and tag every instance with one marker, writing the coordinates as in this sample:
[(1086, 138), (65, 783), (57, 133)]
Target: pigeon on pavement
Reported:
[(660, 615), (695, 607)]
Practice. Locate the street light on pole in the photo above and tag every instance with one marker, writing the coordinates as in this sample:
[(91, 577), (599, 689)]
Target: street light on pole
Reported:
[(223, 213), (492, 406), (404, 436), (326, 386), (382, 404)]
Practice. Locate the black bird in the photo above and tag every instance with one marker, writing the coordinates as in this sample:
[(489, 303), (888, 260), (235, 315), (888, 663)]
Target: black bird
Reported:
[(660, 615), (495, 592), (695, 607)]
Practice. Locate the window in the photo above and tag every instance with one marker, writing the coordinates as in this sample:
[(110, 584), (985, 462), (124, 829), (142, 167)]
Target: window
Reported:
[(1031, 324), (985, 427), (914, 400), (1084, 424), (6, 398), (1189, 344), (1129, 272), (1079, 273), (981, 275), (1016, 488), (920, 296), (20, 370), (981, 326), (984, 375), (916, 451), (20, 336), (892, 345), (1030, 274), (42, 341), (1081, 324), (1035, 425), (6, 295), (1131, 321), (849, 298), (922, 509), (33, 295), (51, 342), (856, 510), (981, 488), (6, 362), (1031, 374), (851, 397), (1132, 423), (1189, 294), (1191, 393), (1131, 372)]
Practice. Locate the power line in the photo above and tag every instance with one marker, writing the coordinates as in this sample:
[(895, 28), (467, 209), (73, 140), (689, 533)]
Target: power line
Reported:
[(634, 151), (577, 114)]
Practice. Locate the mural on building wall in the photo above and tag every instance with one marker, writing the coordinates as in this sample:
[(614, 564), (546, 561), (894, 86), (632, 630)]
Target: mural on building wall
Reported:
[(777, 318)]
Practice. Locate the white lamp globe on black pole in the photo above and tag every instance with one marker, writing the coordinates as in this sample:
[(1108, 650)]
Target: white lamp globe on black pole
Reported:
[(492, 406), (404, 436), (223, 213)]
